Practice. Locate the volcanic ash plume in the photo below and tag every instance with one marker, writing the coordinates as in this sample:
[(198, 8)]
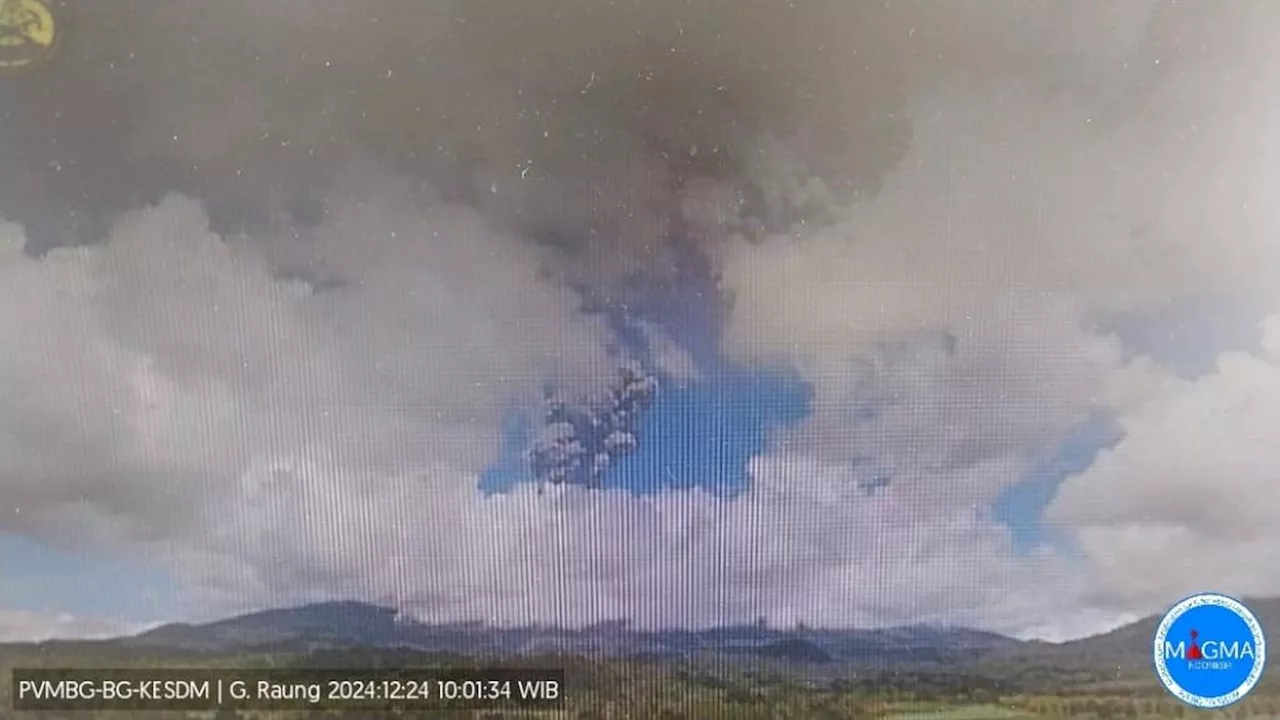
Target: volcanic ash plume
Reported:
[(608, 130), (579, 442)]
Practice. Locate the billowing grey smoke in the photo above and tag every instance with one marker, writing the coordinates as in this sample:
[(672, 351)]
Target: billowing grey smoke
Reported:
[(609, 130), (579, 442), (630, 136)]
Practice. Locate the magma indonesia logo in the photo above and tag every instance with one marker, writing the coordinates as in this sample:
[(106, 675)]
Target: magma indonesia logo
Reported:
[(1209, 650)]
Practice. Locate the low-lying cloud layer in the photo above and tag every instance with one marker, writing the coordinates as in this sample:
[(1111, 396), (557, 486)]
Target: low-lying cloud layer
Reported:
[(311, 257), (28, 626)]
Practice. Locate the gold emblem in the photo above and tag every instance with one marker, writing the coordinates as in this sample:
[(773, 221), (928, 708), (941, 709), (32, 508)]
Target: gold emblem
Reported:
[(28, 34)]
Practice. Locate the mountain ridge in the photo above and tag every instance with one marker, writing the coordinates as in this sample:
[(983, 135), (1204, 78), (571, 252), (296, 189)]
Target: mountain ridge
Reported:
[(348, 624)]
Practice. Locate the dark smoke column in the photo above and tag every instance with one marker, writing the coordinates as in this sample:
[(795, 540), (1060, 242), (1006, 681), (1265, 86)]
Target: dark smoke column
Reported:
[(578, 443)]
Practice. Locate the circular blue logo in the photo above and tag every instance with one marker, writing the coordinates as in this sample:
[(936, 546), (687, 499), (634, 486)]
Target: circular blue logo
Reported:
[(1209, 650)]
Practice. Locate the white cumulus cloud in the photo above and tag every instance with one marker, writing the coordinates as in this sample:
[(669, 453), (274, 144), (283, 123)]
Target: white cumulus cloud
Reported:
[(1188, 500), (146, 375), (31, 626)]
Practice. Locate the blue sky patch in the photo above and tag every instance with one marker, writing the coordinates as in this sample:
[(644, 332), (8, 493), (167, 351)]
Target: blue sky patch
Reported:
[(700, 434), (704, 434), (43, 579), (1021, 506)]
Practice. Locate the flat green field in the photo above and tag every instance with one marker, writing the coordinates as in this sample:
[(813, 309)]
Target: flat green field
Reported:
[(970, 712)]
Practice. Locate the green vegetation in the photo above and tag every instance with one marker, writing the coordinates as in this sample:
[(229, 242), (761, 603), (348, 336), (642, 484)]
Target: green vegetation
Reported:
[(666, 689)]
